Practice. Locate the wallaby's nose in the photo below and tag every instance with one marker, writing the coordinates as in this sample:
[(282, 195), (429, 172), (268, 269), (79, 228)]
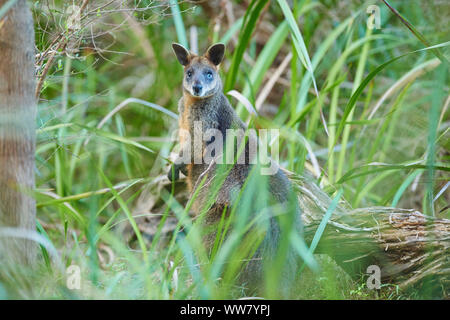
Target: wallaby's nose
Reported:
[(197, 88)]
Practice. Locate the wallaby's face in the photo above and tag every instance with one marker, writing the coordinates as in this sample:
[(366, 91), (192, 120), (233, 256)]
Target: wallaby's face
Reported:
[(201, 76)]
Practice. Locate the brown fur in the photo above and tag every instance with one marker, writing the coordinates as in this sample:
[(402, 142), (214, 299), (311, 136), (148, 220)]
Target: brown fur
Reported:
[(200, 60)]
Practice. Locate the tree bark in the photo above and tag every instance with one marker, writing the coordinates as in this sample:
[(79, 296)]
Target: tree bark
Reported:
[(17, 130), (411, 249)]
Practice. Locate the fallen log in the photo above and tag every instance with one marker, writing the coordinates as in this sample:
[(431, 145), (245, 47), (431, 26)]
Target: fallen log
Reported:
[(411, 249)]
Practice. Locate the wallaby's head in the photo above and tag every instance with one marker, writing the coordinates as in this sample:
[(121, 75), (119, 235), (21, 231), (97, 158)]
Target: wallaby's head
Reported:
[(201, 76)]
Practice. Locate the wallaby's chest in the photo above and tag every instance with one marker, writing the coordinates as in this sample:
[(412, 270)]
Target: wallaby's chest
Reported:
[(199, 116)]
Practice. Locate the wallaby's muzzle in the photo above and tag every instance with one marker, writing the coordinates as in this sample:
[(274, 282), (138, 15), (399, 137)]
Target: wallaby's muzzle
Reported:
[(197, 89)]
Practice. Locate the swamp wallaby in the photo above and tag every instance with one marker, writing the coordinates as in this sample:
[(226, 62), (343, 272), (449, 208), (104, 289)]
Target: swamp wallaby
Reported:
[(204, 109)]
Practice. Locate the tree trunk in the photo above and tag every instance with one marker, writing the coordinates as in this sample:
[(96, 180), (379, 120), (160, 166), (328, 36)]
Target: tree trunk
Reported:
[(17, 131), (411, 249)]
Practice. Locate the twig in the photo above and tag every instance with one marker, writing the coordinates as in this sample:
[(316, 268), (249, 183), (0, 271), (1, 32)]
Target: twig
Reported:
[(61, 46)]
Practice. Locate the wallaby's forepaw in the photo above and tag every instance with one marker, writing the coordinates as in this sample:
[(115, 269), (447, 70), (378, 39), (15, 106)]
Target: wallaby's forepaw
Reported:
[(174, 172)]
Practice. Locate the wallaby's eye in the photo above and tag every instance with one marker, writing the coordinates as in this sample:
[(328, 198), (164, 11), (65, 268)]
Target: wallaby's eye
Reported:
[(209, 75), (189, 74)]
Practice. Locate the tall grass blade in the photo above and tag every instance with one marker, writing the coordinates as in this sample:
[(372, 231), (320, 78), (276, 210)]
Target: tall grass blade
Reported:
[(365, 82), (416, 32), (249, 23), (179, 25), (298, 41)]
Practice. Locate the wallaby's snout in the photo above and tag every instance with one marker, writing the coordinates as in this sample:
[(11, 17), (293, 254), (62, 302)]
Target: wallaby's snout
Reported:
[(197, 88)]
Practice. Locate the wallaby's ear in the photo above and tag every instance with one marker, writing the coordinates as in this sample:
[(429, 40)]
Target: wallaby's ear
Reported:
[(182, 53), (215, 53)]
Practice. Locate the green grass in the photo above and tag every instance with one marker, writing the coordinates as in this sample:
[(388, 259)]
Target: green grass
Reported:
[(100, 190)]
